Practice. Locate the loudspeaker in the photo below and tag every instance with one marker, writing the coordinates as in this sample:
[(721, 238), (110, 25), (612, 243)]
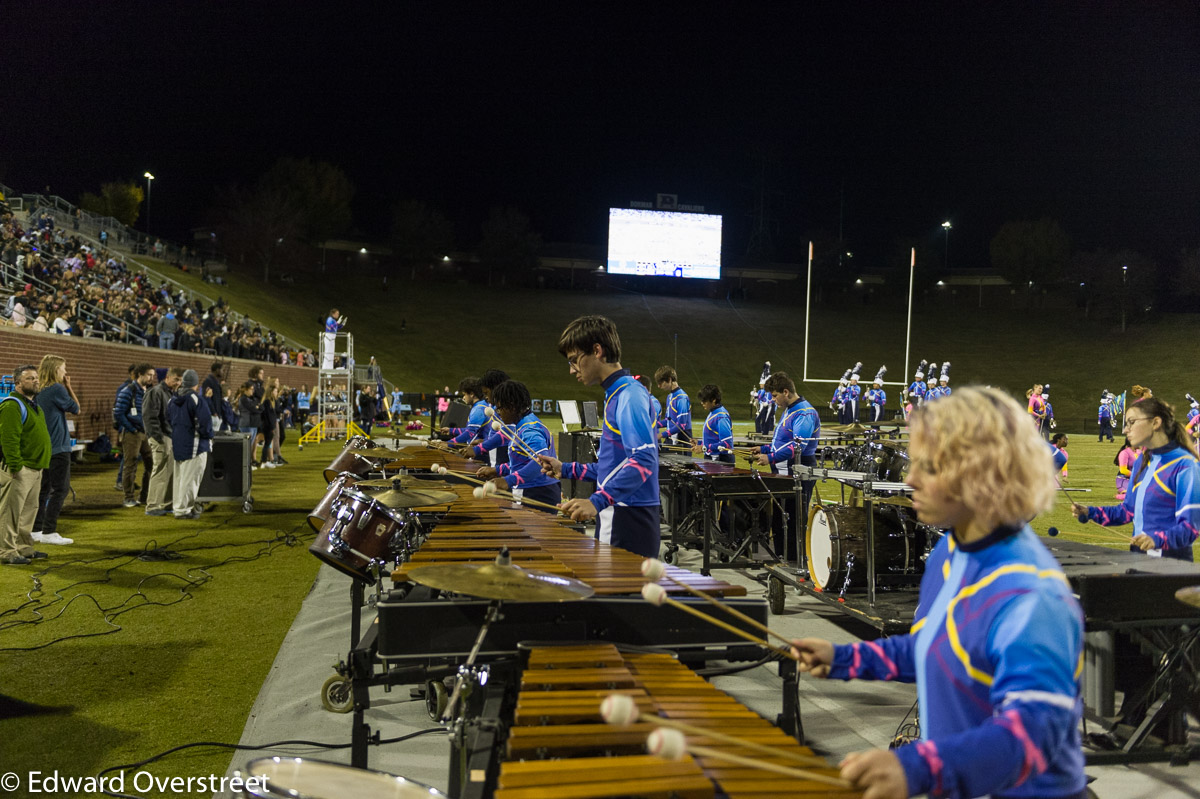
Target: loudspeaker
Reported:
[(227, 474)]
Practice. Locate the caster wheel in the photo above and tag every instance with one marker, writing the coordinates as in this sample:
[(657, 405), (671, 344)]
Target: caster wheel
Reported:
[(248, 505), (336, 696), (669, 556), (776, 595), (436, 698)]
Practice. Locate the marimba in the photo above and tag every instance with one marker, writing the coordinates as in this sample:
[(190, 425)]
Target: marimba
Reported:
[(558, 746)]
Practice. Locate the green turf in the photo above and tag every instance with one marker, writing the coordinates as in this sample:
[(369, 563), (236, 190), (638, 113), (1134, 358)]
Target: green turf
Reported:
[(185, 672), (457, 329)]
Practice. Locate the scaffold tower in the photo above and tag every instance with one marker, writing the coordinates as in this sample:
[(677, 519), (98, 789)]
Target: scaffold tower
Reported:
[(332, 408)]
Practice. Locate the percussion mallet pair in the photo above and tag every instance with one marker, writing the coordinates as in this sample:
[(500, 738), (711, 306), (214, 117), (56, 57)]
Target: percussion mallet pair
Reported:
[(668, 741), (485, 488), (656, 595), (499, 426)]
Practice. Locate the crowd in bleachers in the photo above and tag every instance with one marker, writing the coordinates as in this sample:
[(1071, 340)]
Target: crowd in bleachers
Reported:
[(54, 281)]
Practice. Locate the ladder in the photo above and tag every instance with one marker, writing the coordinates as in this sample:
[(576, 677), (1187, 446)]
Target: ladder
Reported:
[(332, 404)]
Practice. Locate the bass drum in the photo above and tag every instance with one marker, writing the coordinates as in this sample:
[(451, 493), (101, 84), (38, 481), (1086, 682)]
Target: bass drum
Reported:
[(291, 777), (358, 531), (836, 545)]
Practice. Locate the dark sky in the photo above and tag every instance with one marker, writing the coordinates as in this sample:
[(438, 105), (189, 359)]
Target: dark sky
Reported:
[(1088, 112)]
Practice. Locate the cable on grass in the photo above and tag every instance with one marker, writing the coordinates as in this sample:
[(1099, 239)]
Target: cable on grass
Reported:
[(236, 747), (191, 579)]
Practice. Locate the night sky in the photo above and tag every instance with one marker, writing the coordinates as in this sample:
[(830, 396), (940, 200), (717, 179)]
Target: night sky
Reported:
[(975, 112)]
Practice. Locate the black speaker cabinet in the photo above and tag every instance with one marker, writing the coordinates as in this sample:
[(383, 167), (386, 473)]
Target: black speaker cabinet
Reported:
[(227, 474)]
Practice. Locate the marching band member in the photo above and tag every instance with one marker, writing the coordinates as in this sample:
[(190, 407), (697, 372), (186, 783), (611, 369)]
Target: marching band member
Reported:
[(1048, 422), (625, 503), (1193, 418), (1163, 498), (944, 381), (996, 647), (1105, 416), (655, 407), (717, 435), (915, 394), (853, 393), (795, 438), (876, 396), (678, 424), (838, 401), (1037, 405), (472, 392), (522, 475)]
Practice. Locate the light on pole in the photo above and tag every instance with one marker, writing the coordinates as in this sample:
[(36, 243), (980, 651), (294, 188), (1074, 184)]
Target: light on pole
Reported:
[(946, 227), (148, 178), (1124, 283)]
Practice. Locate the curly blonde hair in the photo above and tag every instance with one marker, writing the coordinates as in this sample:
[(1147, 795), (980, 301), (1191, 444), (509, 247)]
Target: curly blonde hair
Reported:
[(981, 445)]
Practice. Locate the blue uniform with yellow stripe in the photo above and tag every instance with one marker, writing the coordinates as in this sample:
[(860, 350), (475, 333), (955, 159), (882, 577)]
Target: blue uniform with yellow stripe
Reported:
[(996, 650), (1163, 502), (796, 434), (717, 436), (679, 416), (476, 419)]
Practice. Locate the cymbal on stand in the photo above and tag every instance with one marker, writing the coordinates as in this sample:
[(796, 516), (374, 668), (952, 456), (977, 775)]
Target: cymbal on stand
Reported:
[(493, 581)]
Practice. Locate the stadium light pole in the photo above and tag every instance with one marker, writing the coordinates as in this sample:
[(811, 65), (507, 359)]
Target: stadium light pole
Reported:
[(148, 178), (946, 226), (807, 310), (1124, 283), (912, 269)]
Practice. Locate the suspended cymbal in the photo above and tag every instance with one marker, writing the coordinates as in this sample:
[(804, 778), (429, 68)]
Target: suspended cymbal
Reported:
[(413, 498), (405, 481), (491, 581), (1189, 595)]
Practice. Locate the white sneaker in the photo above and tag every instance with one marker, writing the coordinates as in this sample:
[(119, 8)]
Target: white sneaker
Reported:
[(269, 465), (37, 537), (55, 538)]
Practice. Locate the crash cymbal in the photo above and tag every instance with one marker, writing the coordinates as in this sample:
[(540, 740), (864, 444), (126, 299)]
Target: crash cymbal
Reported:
[(412, 497), (1189, 595), (491, 581), (405, 481)]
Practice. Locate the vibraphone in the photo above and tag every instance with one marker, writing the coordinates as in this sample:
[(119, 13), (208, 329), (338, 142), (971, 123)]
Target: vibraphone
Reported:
[(727, 512), (420, 638), (546, 739)]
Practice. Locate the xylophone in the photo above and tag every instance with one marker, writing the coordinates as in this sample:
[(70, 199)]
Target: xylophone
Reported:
[(557, 745)]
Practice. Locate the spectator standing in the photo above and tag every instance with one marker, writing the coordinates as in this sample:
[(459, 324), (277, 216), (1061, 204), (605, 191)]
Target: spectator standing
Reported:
[(270, 418), (127, 414), (158, 432), (302, 405), (191, 438), (56, 398), (25, 449), (167, 327), (213, 393)]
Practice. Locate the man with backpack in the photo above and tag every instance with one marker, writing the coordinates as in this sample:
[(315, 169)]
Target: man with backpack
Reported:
[(25, 451)]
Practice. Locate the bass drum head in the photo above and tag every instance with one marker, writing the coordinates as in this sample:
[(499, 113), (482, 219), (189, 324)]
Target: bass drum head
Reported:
[(819, 546), (299, 778)]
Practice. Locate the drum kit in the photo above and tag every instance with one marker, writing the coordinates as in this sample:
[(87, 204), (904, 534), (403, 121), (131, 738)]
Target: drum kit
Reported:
[(364, 524)]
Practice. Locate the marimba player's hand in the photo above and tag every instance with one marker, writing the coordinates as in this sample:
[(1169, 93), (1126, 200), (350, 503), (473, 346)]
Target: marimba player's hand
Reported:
[(486, 473), (1078, 510), (500, 483), (762, 459), (877, 772), (580, 510), (697, 450), (1143, 542), (815, 656), (551, 466)]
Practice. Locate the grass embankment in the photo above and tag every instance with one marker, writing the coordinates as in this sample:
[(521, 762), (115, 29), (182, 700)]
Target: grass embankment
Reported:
[(452, 330), (187, 669)]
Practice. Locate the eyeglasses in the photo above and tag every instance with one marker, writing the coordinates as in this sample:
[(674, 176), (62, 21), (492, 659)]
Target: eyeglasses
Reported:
[(1130, 422), (573, 360)]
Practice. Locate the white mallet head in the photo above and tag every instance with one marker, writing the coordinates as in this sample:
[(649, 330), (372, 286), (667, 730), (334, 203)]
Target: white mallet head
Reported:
[(479, 492), (653, 569), (489, 487), (619, 709), (489, 411), (654, 593), (496, 424), (440, 469), (667, 743)]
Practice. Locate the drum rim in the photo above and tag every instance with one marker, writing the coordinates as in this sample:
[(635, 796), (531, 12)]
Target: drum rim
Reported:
[(291, 793), (808, 541)]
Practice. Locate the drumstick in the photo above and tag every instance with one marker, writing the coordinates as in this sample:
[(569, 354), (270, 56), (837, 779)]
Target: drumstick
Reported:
[(656, 595), (671, 744), (656, 570), (621, 709)]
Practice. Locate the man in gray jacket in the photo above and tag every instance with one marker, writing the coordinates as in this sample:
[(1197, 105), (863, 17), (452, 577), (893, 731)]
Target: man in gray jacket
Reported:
[(158, 431)]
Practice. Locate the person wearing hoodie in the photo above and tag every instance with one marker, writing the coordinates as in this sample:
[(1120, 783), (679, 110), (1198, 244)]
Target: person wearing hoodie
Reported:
[(191, 439), (168, 326)]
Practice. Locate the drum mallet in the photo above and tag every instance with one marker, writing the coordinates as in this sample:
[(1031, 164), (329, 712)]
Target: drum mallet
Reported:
[(654, 569), (622, 709), (656, 595), (672, 745)]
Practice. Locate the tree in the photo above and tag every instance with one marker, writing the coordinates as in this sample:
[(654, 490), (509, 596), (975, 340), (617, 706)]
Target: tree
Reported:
[(420, 235), (1026, 253), (257, 226), (508, 243), (319, 192), (121, 201)]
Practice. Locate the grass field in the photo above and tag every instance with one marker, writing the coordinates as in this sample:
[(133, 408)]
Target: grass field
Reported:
[(458, 329)]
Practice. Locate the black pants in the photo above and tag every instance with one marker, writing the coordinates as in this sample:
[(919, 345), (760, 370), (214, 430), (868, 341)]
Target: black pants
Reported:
[(56, 483), (1106, 429), (268, 434), (765, 422), (635, 529), (550, 494)]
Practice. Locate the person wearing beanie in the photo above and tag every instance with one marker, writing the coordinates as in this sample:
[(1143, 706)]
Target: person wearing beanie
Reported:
[(191, 437)]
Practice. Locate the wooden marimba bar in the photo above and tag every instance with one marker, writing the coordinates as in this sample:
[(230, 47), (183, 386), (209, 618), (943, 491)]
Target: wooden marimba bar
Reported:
[(559, 746), (474, 530)]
